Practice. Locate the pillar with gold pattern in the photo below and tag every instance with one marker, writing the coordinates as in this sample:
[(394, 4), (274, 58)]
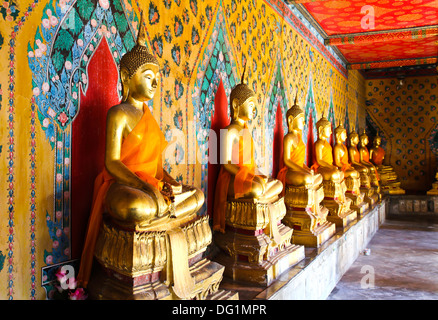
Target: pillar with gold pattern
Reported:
[(144, 238), (351, 175), (389, 183), (303, 190), (333, 179), (364, 156), (255, 245), (371, 197)]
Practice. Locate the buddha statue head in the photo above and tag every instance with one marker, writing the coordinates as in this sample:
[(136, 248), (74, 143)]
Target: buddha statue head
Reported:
[(353, 138), (377, 141), (242, 101), (363, 139), (295, 117), (340, 134), (139, 70), (324, 128)]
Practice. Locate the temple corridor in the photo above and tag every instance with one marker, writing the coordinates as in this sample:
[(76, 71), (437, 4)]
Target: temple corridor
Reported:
[(402, 262)]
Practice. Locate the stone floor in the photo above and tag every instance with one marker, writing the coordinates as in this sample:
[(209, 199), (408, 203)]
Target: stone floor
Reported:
[(402, 265)]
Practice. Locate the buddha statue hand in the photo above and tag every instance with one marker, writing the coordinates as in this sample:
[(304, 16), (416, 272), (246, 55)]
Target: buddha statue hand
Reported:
[(167, 192), (160, 200)]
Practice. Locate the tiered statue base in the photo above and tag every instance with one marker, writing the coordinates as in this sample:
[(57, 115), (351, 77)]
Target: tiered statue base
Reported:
[(306, 216), (370, 197), (434, 190), (252, 249), (338, 204), (357, 197), (132, 264)]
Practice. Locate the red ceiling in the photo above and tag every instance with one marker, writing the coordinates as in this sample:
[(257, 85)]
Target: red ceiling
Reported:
[(404, 30), (342, 17)]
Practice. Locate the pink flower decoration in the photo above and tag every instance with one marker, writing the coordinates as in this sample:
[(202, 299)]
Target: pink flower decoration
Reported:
[(63, 118), (78, 294)]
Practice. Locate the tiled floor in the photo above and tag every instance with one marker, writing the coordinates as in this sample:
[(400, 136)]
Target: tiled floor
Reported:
[(402, 265)]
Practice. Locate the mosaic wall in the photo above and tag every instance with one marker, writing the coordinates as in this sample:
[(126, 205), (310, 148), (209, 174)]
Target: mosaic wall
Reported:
[(47, 49), (407, 118)]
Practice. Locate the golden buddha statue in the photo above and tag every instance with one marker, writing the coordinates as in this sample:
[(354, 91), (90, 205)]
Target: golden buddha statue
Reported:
[(352, 177), (371, 196), (334, 183), (364, 156), (389, 182), (303, 191), (255, 246), (434, 190), (144, 235)]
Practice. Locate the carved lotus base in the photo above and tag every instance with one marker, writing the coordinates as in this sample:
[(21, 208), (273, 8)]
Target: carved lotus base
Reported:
[(306, 216), (107, 285), (263, 273), (252, 249), (132, 264)]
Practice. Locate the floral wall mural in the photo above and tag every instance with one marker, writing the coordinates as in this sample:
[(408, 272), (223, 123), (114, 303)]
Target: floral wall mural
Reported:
[(59, 74)]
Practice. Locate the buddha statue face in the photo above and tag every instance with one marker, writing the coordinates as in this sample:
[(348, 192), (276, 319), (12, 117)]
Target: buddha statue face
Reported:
[(363, 139), (324, 131), (354, 139), (296, 123), (245, 111), (143, 83), (341, 135), (377, 141)]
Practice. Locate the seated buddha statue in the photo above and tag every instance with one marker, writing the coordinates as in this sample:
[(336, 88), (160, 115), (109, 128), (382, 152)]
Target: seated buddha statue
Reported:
[(303, 191), (141, 218), (389, 182), (352, 176), (334, 183), (434, 190), (248, 207), (371, 197), (364, 156)]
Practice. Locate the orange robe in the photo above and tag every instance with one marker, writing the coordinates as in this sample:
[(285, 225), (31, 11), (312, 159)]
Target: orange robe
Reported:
[(378, 156), (242, 180), (327, 156), (141, 153), (366, 158), (298, 156), (344, 160)]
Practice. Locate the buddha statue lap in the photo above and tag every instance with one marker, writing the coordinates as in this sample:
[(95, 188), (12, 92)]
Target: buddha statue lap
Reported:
[(364, 156), (389, 183), (303, 190), (255, 246), (371, 197), (144, 234), (333, 179), (351, 175)]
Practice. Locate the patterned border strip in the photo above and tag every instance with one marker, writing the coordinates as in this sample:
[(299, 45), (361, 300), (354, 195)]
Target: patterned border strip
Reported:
[(315, 41), (392, 63), (32, 201), (352, 39), (11, 156)]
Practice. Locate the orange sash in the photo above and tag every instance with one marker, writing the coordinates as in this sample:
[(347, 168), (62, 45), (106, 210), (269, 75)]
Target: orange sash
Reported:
[(344, 160), (378, 156), (242, 180), (366, 158), (298, 156), (141, 153), (327, 156)]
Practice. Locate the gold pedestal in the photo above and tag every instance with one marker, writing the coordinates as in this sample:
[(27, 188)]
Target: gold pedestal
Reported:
[(135, 265), (338, 204), (369, 196), (389, 183), (357, 197), (252, 249), (306, 216), (434, 190)]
